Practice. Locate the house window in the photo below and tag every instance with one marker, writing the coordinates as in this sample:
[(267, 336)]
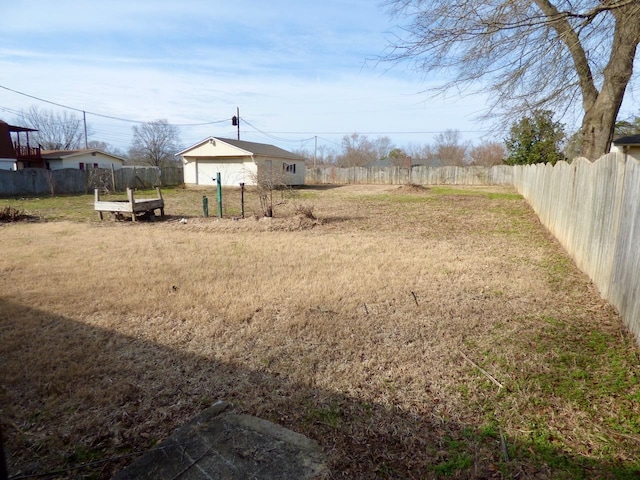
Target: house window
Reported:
[(95, 165), (81, 166), (289, 167)]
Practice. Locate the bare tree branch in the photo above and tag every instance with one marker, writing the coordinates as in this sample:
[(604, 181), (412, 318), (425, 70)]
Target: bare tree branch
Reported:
[(56, 131), (155, 143), (529, 55)]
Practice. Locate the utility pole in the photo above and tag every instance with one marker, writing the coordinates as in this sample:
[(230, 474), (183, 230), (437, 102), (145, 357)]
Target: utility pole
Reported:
[(235, 121), (315, 150), (84, 117)]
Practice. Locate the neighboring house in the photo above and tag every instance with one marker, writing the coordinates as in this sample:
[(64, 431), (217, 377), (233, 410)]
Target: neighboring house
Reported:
[(15, 151), (629, 145), (80, 159), (238, 162)]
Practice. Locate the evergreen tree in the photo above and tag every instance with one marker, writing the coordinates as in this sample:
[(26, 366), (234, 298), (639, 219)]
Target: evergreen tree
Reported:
[(535, 139)]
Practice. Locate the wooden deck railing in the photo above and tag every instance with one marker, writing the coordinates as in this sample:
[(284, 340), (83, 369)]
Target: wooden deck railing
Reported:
[(27, 153)]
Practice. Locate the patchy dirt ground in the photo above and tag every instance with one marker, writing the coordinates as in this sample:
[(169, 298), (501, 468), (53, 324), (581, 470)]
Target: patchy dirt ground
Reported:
[(413, 333)]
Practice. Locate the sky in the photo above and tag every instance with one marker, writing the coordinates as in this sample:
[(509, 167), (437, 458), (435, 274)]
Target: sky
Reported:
[(299, 72)]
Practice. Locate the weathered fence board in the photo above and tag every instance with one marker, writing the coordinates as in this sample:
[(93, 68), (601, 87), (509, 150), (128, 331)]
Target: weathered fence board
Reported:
[(625, 278), (419, 174), (38, 181), (593, 211), (137, 177)]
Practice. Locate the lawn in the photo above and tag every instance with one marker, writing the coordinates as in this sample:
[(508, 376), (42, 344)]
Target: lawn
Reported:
[(412, 332)]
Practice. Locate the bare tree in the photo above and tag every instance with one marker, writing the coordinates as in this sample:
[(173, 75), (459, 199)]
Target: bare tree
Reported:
[(270, 180), (531, 55), (56, 131), (357, 150), (322, 155), (325, 155), (450, 149), (420, 154), (98, 145), (382, 146), (155, 143), (105, 147), (487, 154)]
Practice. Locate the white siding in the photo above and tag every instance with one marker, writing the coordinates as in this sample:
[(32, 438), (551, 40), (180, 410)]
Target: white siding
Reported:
[(88, 160), (7, 163), (232, 172), (632, 151), (215, 148), (190, 166), (236, 165), (290, 176)]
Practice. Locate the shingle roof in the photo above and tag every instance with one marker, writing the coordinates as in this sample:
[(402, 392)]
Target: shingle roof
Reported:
[(253, 148), (628, 140), (261, 149), (15, 128), (60, 154)]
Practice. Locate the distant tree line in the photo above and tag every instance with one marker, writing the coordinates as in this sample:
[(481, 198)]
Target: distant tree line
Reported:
[(534, 138), (448, 148)]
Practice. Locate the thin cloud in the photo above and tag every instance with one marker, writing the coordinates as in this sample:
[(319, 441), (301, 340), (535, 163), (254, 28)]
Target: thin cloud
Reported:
[(289, 66)]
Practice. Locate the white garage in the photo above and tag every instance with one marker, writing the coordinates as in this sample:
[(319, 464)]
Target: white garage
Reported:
[(238, 162)]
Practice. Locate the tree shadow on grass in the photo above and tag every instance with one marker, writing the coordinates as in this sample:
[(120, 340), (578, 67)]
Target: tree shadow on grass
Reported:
[(82, 402)]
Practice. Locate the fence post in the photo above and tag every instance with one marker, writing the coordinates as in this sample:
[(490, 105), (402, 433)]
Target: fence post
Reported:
[(132, 201), (242, 197), (219, 187)]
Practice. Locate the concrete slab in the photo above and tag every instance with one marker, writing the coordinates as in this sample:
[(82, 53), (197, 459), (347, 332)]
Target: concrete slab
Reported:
[(222, 445)]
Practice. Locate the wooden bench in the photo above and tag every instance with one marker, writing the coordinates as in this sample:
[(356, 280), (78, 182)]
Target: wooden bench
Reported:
[(131, 206)]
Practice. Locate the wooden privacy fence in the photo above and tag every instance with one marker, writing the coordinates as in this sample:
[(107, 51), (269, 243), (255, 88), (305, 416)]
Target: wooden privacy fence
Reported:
[(419, 174), (594, 211), (38, 181)]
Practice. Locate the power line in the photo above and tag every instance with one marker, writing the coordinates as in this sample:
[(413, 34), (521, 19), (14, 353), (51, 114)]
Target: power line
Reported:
[(329, 141), (272, 136), (267, 134), (110, 117), (379, 133)]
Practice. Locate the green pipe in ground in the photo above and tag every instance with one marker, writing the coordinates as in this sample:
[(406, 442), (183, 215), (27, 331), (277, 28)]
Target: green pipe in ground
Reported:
[(219, 188)]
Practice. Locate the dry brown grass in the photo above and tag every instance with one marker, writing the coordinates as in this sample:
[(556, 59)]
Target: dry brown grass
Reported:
[(351, 328)]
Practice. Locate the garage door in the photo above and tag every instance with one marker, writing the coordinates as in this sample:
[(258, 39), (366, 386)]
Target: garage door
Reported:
[(231, 173)]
